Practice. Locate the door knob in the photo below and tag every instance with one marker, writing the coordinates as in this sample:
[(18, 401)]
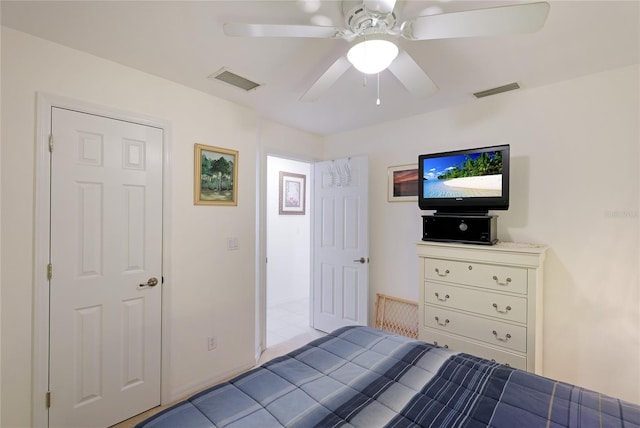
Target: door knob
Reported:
[(361, 260), (151, 283)]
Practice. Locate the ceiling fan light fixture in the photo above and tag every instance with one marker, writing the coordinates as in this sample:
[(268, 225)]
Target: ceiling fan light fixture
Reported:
[(371, 56)]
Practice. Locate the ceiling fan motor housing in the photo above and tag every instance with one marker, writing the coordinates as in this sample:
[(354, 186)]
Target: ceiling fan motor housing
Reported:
[(361, 21)]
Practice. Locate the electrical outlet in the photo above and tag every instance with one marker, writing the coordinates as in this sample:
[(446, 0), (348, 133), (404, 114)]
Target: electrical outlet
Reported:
[(212, 342), (232, 244)]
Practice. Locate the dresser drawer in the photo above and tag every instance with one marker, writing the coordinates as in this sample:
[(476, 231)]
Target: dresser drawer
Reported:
[(496, 277), (503, 306), (473, 348), (493, 332)]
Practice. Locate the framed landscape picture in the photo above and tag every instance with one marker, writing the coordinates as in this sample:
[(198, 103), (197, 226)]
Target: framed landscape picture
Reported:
[(216, 176), (292, 193), (402, 183)]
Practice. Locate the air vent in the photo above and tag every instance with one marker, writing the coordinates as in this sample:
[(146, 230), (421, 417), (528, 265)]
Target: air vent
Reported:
[(225, 76), (498, 90)]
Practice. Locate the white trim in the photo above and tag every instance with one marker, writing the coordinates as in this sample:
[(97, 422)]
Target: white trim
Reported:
[(204, 383), (41, 248), (261, 263), (45, 102), (260, 338)]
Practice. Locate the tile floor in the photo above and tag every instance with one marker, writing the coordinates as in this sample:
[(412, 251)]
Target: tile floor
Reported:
[(287, 321)]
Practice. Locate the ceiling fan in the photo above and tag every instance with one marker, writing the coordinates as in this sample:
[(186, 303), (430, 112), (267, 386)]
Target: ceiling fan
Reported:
[(371, 25)]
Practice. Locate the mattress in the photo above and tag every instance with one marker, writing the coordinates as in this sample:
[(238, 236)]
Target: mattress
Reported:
[(363, 377)]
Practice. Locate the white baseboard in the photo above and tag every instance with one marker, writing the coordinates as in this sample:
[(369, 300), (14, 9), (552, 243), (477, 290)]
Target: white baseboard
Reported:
[(258, 353), (192, 388)]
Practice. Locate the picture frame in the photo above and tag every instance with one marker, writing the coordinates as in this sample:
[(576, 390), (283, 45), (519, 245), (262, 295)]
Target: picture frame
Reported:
[(402, 183), (292, 195), (215, 176)]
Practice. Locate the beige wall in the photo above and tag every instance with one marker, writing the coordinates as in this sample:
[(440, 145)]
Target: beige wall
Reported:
[(574, 187), (211, 288), (1, 139)]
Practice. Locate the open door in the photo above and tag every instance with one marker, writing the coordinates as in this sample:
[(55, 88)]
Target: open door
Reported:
[(341, 243)]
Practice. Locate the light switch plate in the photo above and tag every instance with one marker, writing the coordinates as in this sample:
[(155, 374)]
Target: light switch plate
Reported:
[(232, 244)]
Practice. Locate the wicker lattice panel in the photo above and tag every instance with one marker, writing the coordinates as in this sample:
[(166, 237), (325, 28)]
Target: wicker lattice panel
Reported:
[(397, 315)]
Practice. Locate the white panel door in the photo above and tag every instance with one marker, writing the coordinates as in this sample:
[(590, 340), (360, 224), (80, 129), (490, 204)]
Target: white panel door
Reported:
[(106, 248), (341, 243)]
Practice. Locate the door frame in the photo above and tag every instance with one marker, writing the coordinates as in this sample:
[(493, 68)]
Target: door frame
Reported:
[(42, 228), (261, 247)]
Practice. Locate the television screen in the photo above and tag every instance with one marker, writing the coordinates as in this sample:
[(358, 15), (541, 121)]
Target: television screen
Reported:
[(465, 180)]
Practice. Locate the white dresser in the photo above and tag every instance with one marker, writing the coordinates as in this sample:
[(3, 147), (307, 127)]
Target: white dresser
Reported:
[(484, 300)]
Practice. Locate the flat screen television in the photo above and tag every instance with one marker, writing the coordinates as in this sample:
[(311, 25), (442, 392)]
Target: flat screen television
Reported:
[(470, 181)]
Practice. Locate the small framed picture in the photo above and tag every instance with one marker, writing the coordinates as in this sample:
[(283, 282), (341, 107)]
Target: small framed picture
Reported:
[(402, 183), (215, 179), (292, 193)]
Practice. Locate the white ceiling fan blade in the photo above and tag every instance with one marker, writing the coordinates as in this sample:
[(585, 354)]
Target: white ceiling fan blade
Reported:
[(520, 18), (327, 79), (412, 76), (276, 30), (380, 6)]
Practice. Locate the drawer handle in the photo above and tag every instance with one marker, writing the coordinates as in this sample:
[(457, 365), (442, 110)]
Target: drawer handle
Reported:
[(446, 272), (506, 311), (505, 364), (444, 324), (502, 339), (446, 296), (444, 346), (495, 278)]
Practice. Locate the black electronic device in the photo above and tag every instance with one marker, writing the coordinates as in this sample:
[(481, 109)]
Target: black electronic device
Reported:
[(464, 182), (468, 229)]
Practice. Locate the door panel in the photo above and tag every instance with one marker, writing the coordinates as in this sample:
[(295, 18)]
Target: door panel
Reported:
[(350, 293), (106, 242), (87, 356), (340, 285)]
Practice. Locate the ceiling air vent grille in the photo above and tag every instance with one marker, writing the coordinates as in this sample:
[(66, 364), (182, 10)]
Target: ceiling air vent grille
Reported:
[(498, 90), (225, 76)]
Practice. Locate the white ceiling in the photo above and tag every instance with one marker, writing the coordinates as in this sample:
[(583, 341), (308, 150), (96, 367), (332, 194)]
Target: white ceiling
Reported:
[(183, 41)]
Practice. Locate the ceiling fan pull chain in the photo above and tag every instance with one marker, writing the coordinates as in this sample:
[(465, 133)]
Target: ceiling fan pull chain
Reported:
[(378, 100)]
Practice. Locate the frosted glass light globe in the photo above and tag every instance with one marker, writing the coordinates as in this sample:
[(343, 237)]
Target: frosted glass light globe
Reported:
[(372, 56)]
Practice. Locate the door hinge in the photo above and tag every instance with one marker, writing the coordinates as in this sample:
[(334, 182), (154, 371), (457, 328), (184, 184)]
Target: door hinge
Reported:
[(47, 399), (49, 271), (50, 143)]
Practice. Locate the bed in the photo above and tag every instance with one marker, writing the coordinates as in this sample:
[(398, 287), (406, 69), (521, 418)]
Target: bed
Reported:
[(363, 377)]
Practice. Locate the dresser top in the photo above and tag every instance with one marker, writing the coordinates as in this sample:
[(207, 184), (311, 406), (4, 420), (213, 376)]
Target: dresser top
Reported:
[(500, 245), (520, 245), (514, 252)]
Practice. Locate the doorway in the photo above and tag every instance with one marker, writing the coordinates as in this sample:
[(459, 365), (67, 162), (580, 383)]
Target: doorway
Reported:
[(288, 250)]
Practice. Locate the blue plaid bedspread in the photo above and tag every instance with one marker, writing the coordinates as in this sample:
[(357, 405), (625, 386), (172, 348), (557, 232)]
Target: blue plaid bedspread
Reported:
[(361, 377)]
